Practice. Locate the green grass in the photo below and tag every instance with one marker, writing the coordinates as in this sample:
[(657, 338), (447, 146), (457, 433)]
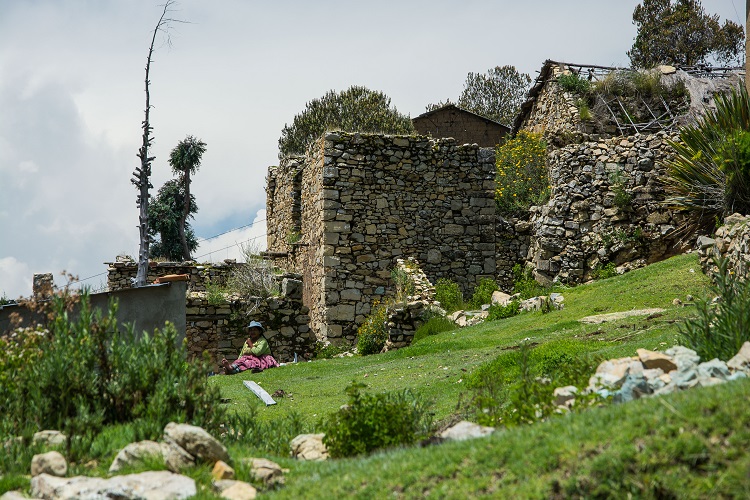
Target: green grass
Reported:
[(686, 445), (438, 365)]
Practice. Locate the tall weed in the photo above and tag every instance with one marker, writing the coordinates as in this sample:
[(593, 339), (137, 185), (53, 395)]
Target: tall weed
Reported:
[(720, 329)]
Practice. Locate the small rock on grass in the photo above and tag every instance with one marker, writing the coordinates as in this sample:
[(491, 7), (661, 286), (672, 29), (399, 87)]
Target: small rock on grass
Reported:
[(240, 490), (52, 463)]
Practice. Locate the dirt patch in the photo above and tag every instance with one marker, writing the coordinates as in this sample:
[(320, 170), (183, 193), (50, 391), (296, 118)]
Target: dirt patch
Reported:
[(604, 318)]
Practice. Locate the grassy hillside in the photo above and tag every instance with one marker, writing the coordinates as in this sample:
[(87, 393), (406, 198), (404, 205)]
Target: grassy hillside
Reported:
[(693, 444), (439, 365)]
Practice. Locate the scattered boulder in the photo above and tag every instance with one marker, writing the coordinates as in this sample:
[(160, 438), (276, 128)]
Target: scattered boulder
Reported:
[(466, 430), (240, 490), (741, 361), (222, 470), (49, 438), (52, 463), (634, 387), (611, 374), (135, 453), (654, 359), (196, 441), (713, 369), (684, 358), (153, 485), (309, 447), (500, 298), (266, 471), (13, 495), (175, 457), (565, 396)]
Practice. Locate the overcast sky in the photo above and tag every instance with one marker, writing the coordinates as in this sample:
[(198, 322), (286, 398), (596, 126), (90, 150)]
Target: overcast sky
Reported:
[(72, 100)]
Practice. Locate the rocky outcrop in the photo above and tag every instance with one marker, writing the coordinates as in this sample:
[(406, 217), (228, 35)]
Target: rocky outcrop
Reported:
[(309, 447)]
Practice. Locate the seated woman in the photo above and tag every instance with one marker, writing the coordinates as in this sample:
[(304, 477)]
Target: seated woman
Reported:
[(255, 354)]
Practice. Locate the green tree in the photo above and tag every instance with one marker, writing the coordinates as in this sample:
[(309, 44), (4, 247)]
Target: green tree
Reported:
[(357, 109), (496, 94), (185, 159), (165, 214), (683, 34)]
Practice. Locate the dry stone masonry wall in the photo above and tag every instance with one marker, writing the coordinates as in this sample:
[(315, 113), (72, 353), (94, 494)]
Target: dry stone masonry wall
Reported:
[(215, 322), (604, 207), (370, 199), (731, 242)]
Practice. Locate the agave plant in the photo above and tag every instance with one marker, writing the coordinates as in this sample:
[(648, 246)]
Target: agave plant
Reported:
[(709, 177)]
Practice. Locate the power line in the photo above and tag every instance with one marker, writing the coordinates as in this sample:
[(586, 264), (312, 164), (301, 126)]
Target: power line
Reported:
[(230, 246), (230, 230)]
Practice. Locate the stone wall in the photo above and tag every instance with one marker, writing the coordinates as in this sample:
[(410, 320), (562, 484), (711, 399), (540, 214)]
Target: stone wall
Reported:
[(217, 325), (219, 328), (283, 204), (370, 199), (731, 242), (554, 111), (604, 207), (121, 273)]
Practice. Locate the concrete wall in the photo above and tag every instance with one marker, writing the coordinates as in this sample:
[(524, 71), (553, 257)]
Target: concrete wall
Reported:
[(147, 308)]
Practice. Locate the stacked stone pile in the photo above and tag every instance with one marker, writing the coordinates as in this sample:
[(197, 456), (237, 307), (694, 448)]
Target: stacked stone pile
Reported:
[(656, 373), (582, 226), (405, 317), (732, 241)]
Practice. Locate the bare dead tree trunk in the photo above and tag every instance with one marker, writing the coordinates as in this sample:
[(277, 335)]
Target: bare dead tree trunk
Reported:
[(143, 173)]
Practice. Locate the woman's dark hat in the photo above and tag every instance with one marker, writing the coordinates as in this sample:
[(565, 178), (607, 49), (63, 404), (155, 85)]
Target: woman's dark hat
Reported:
[(256, 324)]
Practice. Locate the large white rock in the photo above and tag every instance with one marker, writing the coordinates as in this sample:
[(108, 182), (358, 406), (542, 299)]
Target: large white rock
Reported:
[(49, 438), (196, 441), (13, 495), (309, 447), (500, 298), (266, 471), (741, 361), (154, 485), (466, 430), (175, 457), (51, 462), (240, 491), (135, 453)]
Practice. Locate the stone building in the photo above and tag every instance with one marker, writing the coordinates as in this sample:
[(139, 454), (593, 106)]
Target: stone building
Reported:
[(343, 215), (464, 126)]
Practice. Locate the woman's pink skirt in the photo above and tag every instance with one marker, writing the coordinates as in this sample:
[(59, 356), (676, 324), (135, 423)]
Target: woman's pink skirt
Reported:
[(252, 362)]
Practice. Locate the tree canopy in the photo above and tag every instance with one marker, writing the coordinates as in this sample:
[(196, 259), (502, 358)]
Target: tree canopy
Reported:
[(185, 159), (165, 216), (496, 94), (681, 33), (357, 109)]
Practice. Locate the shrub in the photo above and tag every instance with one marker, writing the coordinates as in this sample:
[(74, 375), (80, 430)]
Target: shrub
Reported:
[(622, 199), (255, 278), (89, 372), (709, 176), (602, 272), (448, 294), (572, 82), (373, 333), (522, 179), (517, 387), (483, 292), (373, 421), (433, 326), (405, 285), (326, 350), (215, 294), (496, 312), (525, 284), (719, 330)]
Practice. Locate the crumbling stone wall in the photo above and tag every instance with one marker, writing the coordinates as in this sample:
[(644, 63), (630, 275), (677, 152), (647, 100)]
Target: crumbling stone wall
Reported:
[(582, 227), (370, 199), (554, 111), (217, 326), (120, 274), (731, 242), (283, 203)]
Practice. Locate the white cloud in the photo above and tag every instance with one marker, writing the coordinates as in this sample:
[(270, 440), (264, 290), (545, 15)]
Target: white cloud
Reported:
[(15, 278), (230, 245)]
